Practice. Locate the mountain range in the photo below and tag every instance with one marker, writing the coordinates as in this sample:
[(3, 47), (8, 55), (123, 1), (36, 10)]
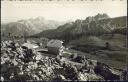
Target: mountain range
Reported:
[(28, 27), (92, 25), (40, 27)]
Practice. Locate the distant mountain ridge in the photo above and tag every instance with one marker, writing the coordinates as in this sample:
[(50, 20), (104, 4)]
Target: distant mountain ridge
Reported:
[(96, 25), (29, 26)]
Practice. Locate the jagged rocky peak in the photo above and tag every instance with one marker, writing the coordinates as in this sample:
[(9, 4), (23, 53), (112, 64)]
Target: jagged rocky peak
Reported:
[(97, 17), (101, 16), (105, 15), (89, 19), (78, 21)]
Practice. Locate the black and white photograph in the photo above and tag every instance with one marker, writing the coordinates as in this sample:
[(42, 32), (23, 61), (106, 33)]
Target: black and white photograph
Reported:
[(64, 40)]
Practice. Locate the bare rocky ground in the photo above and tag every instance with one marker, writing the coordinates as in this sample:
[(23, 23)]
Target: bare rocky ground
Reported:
[(20, 63)]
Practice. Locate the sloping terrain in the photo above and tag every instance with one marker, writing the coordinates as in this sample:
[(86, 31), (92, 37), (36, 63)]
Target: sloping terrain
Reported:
[(28, 27), (21, 64), (98, 36), (96, 47), (89, 26)]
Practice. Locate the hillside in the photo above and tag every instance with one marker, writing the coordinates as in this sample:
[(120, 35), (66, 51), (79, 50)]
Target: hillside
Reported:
[(28, 26), (23, 64), (90, 26), (92, 35)]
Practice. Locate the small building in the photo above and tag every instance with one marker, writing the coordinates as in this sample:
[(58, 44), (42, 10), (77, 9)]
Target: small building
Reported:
[(55, 46)]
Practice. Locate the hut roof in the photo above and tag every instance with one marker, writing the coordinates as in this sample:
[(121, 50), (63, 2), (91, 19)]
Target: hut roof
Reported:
[(55, 43)]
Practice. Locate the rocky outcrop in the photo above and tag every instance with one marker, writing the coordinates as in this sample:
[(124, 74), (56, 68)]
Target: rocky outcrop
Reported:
[(92, 25), (97, 17), (27, 64)]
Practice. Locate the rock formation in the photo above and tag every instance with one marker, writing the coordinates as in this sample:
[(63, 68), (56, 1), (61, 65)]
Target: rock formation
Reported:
[(23, 64)]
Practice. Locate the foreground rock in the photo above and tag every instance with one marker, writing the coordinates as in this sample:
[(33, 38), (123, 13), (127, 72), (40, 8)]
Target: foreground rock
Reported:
[(19, 63)]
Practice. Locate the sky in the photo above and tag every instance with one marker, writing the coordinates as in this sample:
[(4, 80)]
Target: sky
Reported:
[(60, 11)]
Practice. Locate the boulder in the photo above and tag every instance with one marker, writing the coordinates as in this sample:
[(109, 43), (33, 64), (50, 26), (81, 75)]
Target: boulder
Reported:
[(105, 72)]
